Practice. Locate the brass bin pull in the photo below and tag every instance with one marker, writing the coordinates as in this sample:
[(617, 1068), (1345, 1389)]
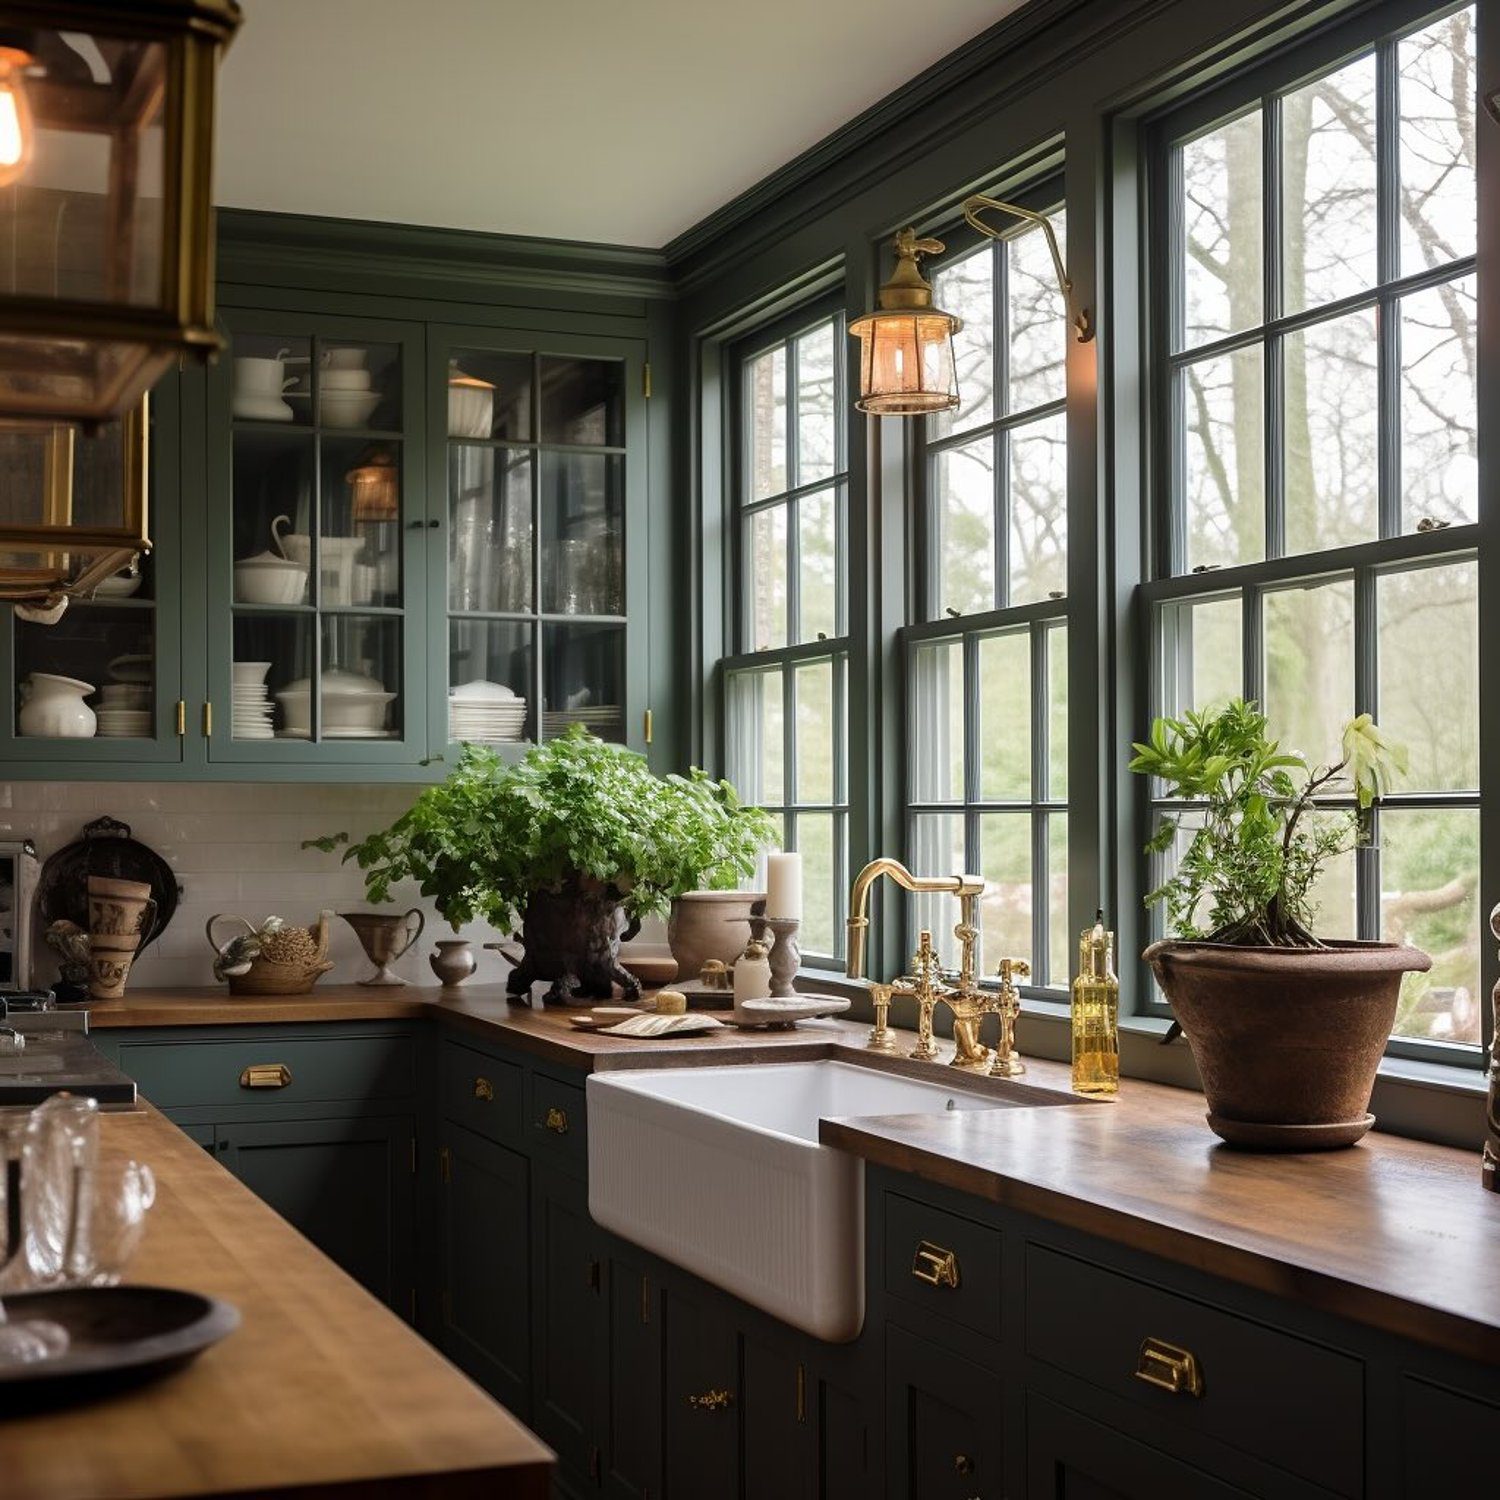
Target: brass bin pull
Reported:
[(1170, 1368), (556, 1121), (715, 1400), (484, 1089), (266, 1076), (934, 1265)]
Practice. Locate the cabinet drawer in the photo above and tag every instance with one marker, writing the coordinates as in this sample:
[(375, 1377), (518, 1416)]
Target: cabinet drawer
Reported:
[(481, 1093), (555, 1119), (1448, 1440), (946, 1265), (1291, 1402), (271, 1070)]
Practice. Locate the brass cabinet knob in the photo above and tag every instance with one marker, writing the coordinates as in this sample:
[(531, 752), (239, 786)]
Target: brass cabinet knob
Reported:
[(556, 1121), (484, 1089), (963, 1464), (935, 1266), (266, 1076), (714, 1400), (1169, 1367)]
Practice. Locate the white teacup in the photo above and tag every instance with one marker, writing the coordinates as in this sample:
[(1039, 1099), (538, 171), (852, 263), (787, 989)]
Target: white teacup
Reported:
[(261, 377), (344, 359)]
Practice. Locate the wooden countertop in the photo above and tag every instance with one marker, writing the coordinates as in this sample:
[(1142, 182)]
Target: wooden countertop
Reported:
[(1394, 1233), (321, 1390)]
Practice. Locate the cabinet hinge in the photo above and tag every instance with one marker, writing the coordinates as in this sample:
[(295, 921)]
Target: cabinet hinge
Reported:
[(647, 726), (445, 1164), (591, 1275), (646, 380), (594, 1464), (208, 720), (181, 718)]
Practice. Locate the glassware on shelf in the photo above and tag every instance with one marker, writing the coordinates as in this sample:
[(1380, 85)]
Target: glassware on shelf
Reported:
[(583, 679), (583, 517), (583, 401), (489, 529)]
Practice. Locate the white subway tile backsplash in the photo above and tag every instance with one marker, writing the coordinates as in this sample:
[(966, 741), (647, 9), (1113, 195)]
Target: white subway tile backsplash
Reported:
[(238, 848)]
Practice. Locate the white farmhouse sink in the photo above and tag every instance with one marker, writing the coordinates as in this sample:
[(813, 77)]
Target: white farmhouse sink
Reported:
[(719, 1170)]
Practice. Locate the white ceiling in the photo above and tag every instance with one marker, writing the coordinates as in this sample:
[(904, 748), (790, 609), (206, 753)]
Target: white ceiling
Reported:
[(580, 119)]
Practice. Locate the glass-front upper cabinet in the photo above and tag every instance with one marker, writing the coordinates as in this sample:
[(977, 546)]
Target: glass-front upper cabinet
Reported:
[(316, 586), (100, 684), (536, 476)]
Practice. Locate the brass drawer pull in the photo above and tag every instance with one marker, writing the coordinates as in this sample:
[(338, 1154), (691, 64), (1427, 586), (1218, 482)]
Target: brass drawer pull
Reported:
[(556, 1121), (266, 1076), (1170, 1368), (484, 1089), (934, 1265), (714, 1400)]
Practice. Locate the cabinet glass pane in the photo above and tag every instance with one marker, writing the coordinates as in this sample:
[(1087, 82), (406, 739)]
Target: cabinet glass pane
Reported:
[(489, 395), (265, 372), (353, 386), (273, 660), (359, 543), (583, 676), (360, 682), (273, 477), (582, 523), (583, 401), (489, 529), (484, 657), (90, 675)]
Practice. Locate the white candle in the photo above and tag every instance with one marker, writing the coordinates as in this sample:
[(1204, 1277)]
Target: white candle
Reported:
[(784, 885)]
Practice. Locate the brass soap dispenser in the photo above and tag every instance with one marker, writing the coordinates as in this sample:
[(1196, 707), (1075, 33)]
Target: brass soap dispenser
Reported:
[(1096, 1013)]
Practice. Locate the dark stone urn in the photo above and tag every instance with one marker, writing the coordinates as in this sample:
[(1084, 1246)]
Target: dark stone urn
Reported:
[(571, 935), (1287, 1040)]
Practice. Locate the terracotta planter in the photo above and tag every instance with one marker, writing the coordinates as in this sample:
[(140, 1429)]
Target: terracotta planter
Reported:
[(571, 935), (1287, 1040), (709, 924)]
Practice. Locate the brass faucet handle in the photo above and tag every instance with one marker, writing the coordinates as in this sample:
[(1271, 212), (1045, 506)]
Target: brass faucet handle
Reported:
[(1012, 969)]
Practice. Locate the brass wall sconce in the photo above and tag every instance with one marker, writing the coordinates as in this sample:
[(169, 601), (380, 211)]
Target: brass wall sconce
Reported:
[(906, 363)]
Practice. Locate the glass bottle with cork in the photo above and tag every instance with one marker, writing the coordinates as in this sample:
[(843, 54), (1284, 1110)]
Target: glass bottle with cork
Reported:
[(1096, 1013)]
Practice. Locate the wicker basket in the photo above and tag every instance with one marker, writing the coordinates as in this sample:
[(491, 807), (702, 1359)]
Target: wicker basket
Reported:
[(267, 976)]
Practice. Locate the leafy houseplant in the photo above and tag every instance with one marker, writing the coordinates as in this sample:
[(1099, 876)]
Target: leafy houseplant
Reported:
[(576, 842), (1287, 1029)]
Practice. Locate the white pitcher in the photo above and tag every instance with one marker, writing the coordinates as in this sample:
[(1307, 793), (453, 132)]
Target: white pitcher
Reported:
[(52, 707)]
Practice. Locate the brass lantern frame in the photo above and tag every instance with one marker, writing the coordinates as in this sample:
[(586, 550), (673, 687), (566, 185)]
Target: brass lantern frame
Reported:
[(56, 538), (192, 35)]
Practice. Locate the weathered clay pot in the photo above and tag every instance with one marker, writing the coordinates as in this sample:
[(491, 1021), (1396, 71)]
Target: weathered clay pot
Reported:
[(571, 935), (709, 924), (1287, 1040)]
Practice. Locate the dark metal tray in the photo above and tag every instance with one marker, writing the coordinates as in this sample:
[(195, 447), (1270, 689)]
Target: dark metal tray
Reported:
[(118, 1335), (105, 847)]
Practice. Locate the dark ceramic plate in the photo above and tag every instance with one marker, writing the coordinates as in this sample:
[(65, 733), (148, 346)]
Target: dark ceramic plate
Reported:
[(117, 1335), (104, 848)]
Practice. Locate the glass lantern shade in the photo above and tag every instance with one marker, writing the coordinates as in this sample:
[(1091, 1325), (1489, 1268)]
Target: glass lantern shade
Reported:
[(72, 504), (906, 364), (106, 148)]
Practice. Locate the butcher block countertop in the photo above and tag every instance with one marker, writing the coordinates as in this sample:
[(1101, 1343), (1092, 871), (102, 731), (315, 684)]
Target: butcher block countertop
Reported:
[(321, 1390), (1393, 1233)]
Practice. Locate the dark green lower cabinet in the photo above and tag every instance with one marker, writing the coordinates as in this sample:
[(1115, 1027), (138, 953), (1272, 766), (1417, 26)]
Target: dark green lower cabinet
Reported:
[(781, 1449), (701, 1401), (632, 1425), (1070, 1457), (345, 1184), (944, 1417), (485, 1304), (570, 1358)]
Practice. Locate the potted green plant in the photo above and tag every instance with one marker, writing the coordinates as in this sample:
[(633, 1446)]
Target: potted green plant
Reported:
[(1287, 1029), (575, 843)]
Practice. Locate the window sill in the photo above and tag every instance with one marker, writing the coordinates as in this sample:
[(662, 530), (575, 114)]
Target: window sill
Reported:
[(1430, 1101)]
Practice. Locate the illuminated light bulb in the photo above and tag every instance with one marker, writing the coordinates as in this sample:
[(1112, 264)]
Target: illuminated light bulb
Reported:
[(17, 135)]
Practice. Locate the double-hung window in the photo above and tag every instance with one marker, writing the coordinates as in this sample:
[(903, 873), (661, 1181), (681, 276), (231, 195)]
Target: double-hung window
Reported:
[(1315, 454), (986, 671), (784, 686)]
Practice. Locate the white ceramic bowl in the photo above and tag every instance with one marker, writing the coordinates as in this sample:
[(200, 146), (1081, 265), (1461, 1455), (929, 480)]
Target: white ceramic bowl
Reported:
[(255, 583), (250, 673), (344, 380), (340, 710), (480, 691), (346, 408)]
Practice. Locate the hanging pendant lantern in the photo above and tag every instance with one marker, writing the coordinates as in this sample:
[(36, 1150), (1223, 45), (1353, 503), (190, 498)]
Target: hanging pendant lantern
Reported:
[(374, 487), (906, 364), (106, 153)]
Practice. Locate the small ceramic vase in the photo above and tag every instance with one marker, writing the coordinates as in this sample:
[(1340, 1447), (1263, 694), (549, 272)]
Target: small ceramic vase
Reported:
[(453, 962), (752, 973)]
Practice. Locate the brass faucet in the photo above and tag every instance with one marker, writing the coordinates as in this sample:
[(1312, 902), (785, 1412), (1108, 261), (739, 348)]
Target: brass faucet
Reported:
[(926, 983)]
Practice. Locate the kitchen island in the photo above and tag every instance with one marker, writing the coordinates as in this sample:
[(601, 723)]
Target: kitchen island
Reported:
[(320, 1390)]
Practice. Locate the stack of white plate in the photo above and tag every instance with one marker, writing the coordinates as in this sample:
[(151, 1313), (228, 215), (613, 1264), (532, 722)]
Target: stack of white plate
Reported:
[(124, 710), (488, 712), (252, 703), (607, 720)]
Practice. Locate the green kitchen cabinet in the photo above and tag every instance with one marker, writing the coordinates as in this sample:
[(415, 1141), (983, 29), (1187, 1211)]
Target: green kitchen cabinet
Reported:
[(781, 1449), (345, 1184), (632, 1417), (485, 1249), (702, 1400)]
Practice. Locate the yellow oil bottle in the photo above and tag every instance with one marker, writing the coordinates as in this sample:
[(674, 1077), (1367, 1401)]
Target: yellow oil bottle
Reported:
[(1096, 1013)]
